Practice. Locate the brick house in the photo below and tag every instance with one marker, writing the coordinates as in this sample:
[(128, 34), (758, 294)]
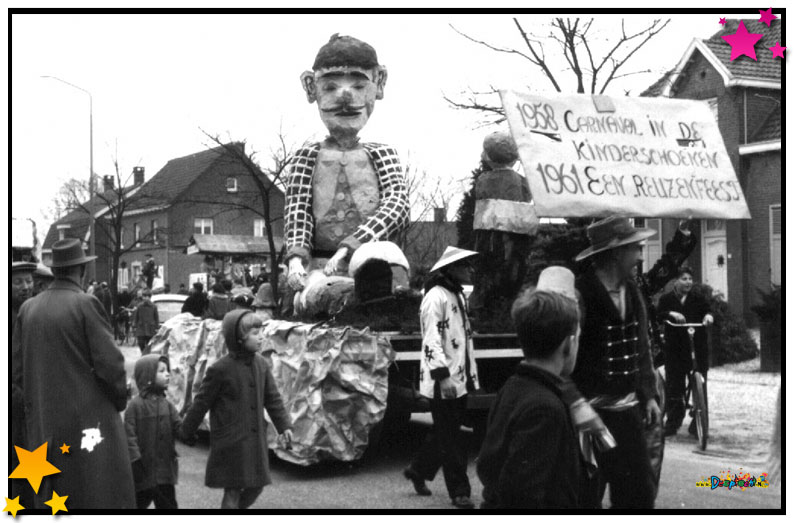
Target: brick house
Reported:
[(738, 256), (209, 192)]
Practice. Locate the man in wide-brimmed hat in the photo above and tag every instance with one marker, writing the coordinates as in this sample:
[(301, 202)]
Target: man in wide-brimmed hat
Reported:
[(448, 373), (614, 369), (72, 374)]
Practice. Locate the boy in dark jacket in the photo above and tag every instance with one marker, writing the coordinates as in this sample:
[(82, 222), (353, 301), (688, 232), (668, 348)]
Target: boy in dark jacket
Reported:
[(152, 423), (235, 390), (529, 458), (145, 321)]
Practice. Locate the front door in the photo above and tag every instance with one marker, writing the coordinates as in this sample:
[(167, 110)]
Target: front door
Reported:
[(715, 256)]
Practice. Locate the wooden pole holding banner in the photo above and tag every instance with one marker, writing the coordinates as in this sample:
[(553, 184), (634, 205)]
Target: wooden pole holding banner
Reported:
[(596, 156)]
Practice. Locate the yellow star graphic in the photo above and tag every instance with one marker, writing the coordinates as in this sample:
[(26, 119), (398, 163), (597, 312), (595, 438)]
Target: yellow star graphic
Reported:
[(33, 466), (65, 448), (12, 506), (57, 503)]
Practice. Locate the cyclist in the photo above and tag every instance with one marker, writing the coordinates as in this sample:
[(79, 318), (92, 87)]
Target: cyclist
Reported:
[(682, 306)]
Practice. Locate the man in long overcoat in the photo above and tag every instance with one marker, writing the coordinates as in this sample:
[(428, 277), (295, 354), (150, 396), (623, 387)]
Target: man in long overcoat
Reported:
[(74, 385)]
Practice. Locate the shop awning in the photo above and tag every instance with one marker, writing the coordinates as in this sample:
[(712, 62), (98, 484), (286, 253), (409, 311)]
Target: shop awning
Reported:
[(230, 244)]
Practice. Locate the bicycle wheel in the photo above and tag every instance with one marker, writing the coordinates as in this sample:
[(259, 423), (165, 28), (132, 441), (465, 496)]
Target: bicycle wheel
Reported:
[(700, 410)]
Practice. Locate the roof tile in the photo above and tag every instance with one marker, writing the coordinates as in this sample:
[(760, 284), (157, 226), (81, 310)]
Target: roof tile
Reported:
[(744, 67)]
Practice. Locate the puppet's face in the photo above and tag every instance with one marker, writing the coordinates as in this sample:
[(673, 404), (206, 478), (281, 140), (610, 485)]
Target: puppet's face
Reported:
[(345, 96)]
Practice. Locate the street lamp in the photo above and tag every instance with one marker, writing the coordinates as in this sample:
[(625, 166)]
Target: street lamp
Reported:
[(91, 273)]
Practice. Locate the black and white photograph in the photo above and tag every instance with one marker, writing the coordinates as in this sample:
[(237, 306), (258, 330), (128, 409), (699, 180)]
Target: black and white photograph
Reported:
[(545, 276)]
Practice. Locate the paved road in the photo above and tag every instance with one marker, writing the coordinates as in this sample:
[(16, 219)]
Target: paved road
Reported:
[(376, 482)]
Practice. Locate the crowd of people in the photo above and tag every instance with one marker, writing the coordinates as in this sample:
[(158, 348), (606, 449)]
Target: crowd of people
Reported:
[(586, 341), (63, 347)]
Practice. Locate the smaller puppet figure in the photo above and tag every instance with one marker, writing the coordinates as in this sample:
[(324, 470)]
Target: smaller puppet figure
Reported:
[(504, 221)]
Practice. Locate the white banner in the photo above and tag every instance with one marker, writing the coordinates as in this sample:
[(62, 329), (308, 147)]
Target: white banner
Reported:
[(589, 155)]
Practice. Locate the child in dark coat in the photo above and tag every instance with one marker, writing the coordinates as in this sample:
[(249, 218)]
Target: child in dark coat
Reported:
[(145, 321), (235, 390), (152, 423), (529, 458)]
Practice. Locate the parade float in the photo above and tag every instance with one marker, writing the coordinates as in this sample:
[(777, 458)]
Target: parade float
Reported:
[(347, 358)]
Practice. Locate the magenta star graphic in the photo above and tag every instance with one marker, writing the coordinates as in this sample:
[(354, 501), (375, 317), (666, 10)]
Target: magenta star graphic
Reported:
[(777, 50), (722, 21), (767, 17), (742, 42)]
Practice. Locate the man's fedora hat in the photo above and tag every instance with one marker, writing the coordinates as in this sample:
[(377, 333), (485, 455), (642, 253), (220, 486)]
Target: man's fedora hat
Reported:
[(612, 232), (69, 252), (22, 266), (452, 255)]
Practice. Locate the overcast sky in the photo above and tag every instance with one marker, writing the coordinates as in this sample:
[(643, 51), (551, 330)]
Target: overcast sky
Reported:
[(156, 80)]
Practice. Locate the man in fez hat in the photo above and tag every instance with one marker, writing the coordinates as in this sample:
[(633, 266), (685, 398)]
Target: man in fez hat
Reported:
[(341, 192)]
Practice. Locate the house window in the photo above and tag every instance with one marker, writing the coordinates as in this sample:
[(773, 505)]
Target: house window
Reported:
[(154, 231), (259, 228), (231, 184), (652, 247), (135, 268), (202, 226), (122, 232), (715, 225), (124, 276), (136, 233), (776, 235)]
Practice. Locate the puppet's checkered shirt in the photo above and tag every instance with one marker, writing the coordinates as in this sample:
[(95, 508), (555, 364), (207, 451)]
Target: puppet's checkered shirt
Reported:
[(390, 218)]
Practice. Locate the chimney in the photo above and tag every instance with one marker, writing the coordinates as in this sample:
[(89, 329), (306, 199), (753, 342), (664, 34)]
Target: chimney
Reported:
[(137, 176), (439, 215), (108, 183)]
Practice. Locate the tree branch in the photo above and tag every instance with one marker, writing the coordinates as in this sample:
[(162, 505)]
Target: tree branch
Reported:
[(538, 60)]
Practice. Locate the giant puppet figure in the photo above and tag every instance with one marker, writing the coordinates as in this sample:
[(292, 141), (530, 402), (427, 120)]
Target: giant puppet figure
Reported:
[(341, 192)]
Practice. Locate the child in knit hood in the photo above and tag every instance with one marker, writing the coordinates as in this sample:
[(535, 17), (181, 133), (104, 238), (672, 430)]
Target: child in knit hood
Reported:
[(235, 390), (152, 424)]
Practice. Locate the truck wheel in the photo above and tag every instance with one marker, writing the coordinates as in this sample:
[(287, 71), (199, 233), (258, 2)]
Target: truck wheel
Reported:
[(389, 429)]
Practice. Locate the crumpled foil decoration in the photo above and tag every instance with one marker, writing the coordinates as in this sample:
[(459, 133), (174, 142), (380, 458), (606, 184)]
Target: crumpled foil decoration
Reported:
[(334, 380), (192, 345)]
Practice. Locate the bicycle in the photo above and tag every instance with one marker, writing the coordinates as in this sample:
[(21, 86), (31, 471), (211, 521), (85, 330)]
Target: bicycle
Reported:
[(125, 333), (695, 388)]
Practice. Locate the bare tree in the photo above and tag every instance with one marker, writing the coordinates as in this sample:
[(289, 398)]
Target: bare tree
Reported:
[(425, 195), (267, 181), (67, 199), (111, 206), (593, 70)]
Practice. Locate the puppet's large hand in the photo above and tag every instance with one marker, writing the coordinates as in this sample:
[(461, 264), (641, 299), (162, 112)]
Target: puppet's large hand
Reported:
[(296, 274), (333, 263)]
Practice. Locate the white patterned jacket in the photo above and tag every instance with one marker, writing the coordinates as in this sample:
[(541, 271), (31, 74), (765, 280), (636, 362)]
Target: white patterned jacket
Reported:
[(446, 341)]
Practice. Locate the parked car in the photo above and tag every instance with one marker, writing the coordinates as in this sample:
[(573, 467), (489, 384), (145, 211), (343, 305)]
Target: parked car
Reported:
[(168, 305)]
